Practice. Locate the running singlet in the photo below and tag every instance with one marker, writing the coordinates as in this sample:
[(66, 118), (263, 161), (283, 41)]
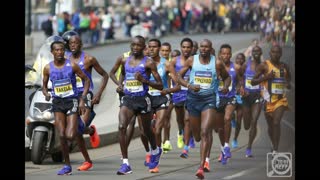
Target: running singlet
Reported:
[(275, 86), (248, 75), (181, 95), (125, 56), (132, 86), (63, 81), (80, 84), (232, 87), (204, 75), (162, 72)]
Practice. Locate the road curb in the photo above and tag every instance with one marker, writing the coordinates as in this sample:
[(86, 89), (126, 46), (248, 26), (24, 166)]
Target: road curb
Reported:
[(105, 139)]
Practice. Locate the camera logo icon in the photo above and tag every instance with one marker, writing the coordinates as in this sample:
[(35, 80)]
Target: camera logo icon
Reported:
[(279, 164)]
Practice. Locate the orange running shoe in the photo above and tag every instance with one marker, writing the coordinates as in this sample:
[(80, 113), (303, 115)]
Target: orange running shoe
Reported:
[(220, 157), (94, 138), (147, 161), (154, 170), (206, 167), (200, 174), (85, 166)]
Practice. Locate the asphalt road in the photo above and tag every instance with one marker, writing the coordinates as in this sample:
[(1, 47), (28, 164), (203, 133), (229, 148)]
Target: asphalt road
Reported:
[(107, 159)]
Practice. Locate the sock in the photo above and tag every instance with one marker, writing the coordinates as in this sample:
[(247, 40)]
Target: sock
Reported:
[(226, 144), (222, 150), (185, 147), (125, 161), (207, 159), (181, 132), (156, 151)]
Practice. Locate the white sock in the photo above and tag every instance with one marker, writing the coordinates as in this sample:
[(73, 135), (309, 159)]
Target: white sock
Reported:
[(226, 144), (221, 147), (156, 151), (125, 161), (207, 159)]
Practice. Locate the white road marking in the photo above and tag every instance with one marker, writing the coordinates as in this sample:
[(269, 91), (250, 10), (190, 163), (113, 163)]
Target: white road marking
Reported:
[(289, 125), (241, 173)]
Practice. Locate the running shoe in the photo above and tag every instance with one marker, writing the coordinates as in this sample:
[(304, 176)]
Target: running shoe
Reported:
[(85, 166), (124, 169), (220, 157), (167, 146), (154, 170), (224, 159), (234, 144), (200, 174), (227, 152), (191, 142), (66, 170), (155, 159), (248, 153), (147, 161), (184, 154), (180, 142), (206, 167), (94, 138), (233, 123)]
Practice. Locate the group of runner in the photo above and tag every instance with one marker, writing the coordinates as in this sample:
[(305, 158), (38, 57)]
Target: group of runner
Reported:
[(205, 90)]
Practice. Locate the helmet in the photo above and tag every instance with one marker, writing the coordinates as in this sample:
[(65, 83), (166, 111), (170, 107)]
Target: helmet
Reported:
[(53, 39), (66, 36)]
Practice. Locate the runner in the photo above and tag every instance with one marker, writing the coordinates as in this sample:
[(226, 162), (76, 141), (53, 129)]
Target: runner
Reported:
[(275, 76), (201, 98)]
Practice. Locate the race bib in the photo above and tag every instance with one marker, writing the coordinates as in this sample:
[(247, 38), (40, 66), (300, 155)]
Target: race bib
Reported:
[(203, 78), (132, 84), (154, 92), (221, 85), (186, 78), (248, 84), (63, 88), (79, 82), (277, 86)]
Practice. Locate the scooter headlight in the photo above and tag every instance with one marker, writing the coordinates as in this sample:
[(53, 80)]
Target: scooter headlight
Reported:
[(46, 115)]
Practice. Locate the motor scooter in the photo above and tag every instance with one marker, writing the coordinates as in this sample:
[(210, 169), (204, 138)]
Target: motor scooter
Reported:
[(40, 123), (40, 129)]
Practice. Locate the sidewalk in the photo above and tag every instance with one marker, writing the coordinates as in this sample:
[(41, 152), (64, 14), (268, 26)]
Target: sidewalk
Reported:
[(38, 38)]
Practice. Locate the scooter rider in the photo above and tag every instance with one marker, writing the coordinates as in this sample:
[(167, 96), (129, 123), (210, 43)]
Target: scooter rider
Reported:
[(65, 104)]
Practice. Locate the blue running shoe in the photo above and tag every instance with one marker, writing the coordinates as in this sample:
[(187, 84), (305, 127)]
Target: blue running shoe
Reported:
[(124, 169), (227, 152), (224, 159), (239, 99), (234, 144), (191, 142), (66, 170), (248, 153), (233, 123), (155, 159), (184, 154)]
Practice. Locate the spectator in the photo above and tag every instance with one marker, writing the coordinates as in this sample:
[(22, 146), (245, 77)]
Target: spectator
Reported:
[(47, 28)]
